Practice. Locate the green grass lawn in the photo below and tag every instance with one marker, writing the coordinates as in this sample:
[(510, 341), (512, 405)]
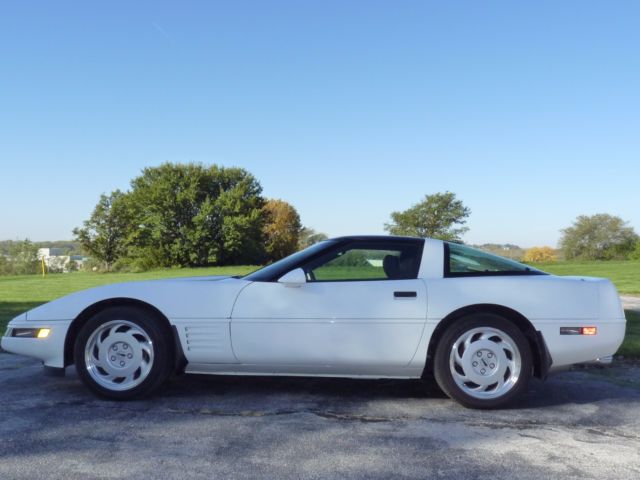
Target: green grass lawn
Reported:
[(21, 293), (631, 346), (624, 274)]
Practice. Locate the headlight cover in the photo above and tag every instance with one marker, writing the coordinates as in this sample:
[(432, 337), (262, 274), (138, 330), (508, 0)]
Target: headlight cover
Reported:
[(29, 332)]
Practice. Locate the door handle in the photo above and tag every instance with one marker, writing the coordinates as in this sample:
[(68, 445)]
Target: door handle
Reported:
[(405, 294)]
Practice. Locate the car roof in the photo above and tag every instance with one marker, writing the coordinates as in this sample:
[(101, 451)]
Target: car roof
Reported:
[(384, 238)]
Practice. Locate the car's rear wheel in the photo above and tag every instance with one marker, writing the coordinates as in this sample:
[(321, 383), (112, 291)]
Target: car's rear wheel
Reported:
[(123, 353), (483, 361)]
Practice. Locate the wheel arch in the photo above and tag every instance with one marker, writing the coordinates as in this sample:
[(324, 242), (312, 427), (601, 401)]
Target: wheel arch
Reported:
[(541, 357), (82, 318)]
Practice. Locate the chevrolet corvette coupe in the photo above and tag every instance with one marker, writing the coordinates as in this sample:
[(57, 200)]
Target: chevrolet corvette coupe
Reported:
[(360, 307)]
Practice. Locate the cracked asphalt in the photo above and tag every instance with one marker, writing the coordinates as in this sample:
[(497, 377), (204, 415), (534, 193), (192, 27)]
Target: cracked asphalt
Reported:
[(580, 424)]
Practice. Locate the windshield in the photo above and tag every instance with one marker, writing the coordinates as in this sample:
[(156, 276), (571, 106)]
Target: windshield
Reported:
[(277, 269)]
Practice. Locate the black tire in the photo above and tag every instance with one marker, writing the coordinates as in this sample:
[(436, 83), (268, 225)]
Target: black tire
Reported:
[(157, 367), (443, 360)]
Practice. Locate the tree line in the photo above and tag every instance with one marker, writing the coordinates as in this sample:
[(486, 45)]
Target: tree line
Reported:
[(19, 257), (590, 237), (191, 215)]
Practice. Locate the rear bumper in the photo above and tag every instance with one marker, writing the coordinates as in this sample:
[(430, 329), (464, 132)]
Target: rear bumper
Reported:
[(566, 350), (608, 360)]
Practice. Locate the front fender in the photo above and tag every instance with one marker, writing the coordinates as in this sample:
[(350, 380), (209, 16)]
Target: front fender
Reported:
[(206, 298)]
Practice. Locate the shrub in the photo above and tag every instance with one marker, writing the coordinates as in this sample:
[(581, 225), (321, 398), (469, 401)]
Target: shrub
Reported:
[(540, 255)]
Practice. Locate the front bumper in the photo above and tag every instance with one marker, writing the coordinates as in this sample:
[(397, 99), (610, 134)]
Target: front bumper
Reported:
[(49, 350)]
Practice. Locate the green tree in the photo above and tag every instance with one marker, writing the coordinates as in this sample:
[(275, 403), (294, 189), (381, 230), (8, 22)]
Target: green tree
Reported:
[(239, 206), (308, 236), (104, 234), (598, 237), (635, 255), (5, 266), (192, 215), (281, 229), (23, 257), (439, 215)]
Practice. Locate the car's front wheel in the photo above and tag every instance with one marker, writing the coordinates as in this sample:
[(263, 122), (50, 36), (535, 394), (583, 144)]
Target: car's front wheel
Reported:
[(483, 361), (123, 353)]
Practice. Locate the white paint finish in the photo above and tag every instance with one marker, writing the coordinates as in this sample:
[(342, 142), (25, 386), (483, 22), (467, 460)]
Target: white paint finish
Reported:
[(329, 323), (205, 340), (432, 262), (420, 357), (534, 296), (570, 349), (294, 278), (197, 297), (332, 300), (609, 300), (50, 350), (334, 344)]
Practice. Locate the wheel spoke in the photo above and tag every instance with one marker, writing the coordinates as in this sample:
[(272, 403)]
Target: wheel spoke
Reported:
[(98, 363), (458, 357), (457, 374), (135, 331), (500, 384), (467, 342)]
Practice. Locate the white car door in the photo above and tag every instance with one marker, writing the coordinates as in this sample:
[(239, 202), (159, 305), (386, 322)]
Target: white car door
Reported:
[(357, 309)]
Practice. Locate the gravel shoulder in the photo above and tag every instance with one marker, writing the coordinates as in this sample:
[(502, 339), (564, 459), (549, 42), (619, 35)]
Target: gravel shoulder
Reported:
[(579, 424), (630, 302)]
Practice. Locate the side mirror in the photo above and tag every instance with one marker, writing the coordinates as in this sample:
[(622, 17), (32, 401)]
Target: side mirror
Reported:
[(294, 278)]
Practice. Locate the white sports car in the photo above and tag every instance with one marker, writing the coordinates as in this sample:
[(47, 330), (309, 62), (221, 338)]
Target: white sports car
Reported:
[(361, 306)]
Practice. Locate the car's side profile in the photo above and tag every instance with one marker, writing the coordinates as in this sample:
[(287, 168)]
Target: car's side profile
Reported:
[(361, 306)]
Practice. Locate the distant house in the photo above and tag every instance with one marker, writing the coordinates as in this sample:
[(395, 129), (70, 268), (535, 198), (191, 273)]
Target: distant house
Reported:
[(50, 252), (56, 261)]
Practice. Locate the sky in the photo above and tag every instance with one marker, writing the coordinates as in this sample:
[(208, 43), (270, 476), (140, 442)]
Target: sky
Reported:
[(528, 111)]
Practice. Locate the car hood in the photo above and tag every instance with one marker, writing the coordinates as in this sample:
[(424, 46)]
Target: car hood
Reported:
[(208, 278), (187, 297)]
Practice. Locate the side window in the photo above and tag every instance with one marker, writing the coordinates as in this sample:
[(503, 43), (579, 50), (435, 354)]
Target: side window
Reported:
[(362, 261), (464, 261)]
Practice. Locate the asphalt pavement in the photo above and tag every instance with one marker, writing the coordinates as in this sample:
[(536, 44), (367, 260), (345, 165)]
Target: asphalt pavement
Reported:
[(580, 424)]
